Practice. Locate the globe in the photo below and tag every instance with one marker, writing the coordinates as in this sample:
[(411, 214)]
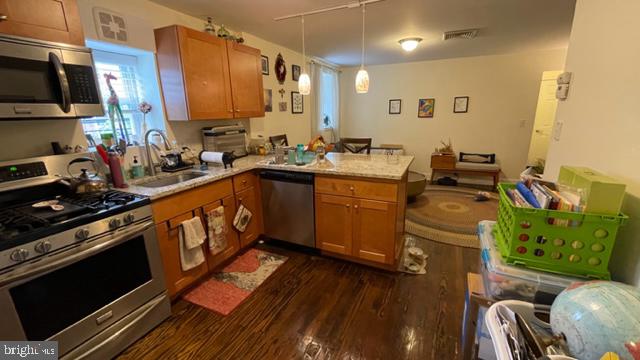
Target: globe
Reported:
[(599, 317)]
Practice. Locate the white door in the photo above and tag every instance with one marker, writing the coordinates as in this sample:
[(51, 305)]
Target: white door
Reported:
[(545, 116)]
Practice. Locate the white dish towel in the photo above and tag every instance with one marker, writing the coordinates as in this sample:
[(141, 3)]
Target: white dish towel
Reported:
[(191, 235)]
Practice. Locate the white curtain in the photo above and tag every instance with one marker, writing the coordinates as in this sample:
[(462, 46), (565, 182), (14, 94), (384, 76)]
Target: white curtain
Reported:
[(325, 117)]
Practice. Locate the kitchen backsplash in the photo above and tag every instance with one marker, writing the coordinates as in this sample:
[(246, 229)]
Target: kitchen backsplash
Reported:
[(31, 138)]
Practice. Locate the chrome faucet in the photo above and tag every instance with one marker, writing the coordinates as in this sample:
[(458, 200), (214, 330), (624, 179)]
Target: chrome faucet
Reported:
[(147, 146)]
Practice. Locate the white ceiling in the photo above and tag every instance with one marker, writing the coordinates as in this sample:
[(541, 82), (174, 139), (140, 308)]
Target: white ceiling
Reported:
[(506, 26)]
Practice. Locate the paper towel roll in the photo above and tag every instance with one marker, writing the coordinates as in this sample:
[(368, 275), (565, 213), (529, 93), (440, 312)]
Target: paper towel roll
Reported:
[(211, 156)]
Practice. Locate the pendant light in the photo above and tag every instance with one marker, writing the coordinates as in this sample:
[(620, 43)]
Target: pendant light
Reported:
[(304, 82), (362, 77)]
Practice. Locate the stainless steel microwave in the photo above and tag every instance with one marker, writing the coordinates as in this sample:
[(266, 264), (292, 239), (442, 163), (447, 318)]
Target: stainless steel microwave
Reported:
[(40, 79)]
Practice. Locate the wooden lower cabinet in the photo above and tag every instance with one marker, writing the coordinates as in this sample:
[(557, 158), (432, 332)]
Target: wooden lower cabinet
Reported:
[(352, 221), (168, 240), (374, 230), (233, 243), (334, 223), (249, 198)]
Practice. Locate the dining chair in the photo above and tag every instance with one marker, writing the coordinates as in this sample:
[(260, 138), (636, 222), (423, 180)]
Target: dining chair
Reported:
[(279, 140), (356, 145)]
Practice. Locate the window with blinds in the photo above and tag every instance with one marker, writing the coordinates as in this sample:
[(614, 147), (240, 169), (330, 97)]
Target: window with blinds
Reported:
[(128, 88)]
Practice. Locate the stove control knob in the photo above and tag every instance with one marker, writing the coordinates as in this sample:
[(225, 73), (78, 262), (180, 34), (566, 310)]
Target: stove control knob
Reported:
[(19, 255), (114, 224), (128, 219), (82, 234), (43, 247)]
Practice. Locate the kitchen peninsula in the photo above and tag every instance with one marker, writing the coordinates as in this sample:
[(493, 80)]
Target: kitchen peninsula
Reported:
[(359, 209)]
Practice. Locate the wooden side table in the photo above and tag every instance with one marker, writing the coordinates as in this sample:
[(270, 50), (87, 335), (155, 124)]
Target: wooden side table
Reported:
[(475, 298)]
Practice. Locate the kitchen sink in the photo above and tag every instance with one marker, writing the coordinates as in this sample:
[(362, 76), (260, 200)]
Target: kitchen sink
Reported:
[(172, 180)]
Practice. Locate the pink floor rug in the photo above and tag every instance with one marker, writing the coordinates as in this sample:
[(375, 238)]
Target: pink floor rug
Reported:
[(233, 284)]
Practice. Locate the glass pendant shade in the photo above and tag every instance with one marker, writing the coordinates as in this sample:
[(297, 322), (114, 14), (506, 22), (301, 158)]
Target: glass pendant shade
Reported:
[(304, 84), (362, 81)]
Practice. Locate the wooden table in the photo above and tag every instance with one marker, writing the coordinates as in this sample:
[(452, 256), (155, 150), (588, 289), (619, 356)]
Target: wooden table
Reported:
[(493, 173)]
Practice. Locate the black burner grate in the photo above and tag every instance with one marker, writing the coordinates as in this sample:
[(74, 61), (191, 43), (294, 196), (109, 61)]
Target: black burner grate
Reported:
[(13, 223), (24, 219), (103, 200)]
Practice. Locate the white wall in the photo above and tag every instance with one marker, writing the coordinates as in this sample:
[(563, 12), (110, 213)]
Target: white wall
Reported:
[(600, 122), (32, 138), (503, 93)]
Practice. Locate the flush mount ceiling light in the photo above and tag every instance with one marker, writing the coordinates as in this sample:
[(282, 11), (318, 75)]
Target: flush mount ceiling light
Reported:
[(362, 77), (409, 44), (304, 82)]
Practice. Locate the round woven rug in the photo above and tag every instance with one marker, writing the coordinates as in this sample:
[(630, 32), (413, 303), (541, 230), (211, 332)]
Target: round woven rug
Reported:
[(449, 215)]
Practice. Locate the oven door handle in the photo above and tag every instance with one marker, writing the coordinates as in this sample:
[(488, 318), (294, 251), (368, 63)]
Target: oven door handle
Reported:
[(63, 258), (62, 80)]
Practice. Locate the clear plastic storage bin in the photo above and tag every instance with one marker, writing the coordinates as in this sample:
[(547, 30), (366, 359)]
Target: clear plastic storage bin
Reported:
[(510, 282)]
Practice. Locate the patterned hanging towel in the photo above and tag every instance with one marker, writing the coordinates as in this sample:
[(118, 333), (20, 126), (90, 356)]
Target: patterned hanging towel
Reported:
[(217, 230), (242, 218)]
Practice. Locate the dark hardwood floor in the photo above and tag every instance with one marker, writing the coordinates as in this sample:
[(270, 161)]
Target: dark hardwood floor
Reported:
[(315, 307)]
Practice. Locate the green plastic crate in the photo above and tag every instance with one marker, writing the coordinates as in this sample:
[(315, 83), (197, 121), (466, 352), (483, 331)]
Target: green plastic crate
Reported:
[(526, 238)]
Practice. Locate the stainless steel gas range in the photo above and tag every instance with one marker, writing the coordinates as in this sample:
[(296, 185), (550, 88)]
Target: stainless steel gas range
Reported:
[(88, 276)]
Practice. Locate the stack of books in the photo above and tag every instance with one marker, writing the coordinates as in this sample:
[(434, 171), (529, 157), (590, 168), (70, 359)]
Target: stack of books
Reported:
[(540, 194)]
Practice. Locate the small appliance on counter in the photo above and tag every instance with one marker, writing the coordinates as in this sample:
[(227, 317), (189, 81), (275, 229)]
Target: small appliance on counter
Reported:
[(226, 138)]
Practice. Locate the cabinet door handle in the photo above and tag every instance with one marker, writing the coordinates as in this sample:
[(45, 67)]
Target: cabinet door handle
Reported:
[(231, 111), (3, 17), (348, 205), (237, 110), (355, 206), (240, 200), (351, 188)]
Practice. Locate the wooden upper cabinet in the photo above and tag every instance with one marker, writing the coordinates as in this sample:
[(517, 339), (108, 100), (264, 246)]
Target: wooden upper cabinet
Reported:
[(246, 80), (50, 20), (204, 77), (194, 73)]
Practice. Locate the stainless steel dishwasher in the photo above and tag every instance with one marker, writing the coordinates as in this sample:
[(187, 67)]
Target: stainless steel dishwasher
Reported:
[(287, 203)]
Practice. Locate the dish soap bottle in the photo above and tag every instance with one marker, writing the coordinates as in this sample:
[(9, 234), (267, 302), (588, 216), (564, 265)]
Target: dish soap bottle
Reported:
[(137, 170)]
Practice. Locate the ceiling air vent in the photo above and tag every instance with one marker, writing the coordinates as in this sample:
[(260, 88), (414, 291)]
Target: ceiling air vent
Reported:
[(110, 25), (460, 34)]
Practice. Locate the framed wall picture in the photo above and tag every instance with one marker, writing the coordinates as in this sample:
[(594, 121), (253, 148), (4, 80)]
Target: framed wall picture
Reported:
[(426, 108), (460, 104), (268, 100), (297, 103), (265, 64), (295, 72), (282, 106), (395, 106)]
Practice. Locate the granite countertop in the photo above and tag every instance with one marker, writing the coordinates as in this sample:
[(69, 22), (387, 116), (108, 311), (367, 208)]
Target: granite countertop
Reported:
[(358, 165)]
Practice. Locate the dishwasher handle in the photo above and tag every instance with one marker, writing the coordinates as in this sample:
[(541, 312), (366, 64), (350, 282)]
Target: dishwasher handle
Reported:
[(287, 176)]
